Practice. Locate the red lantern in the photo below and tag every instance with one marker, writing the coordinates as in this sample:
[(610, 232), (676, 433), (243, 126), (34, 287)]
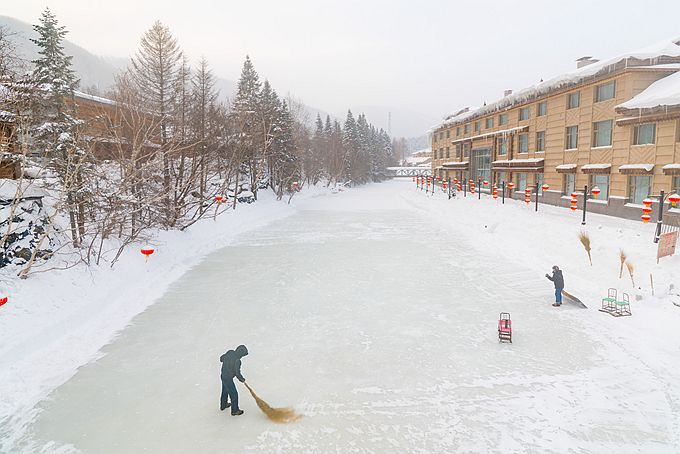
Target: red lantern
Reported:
[(527, 191), (674, 199), (574, 194), (295, 184), (511, 185), (486, 182), (595, 191), (147, 253), (645, 218), (574, 208), (414, 178), (3, 301), (545, 186), (444, 183), (219, 199)]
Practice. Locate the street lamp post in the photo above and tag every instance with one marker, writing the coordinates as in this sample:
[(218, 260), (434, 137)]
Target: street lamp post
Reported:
[(595, 190)]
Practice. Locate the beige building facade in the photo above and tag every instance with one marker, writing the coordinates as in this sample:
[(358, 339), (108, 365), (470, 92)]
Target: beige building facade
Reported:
[(612, 124)]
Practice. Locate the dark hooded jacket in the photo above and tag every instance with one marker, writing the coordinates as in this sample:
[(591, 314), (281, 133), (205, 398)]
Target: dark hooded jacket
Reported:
[(557, 279), (231, 363)]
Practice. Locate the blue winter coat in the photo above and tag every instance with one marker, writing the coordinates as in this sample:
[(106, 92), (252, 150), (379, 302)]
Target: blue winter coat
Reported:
[(231, 363)]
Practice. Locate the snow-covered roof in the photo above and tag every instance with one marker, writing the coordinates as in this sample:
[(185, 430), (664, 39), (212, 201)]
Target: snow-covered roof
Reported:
[(565, 166), (665, 48), (664, 92), (95, 99), (671, 166)]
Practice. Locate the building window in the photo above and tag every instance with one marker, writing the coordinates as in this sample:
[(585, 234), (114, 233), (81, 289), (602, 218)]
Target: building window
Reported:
[(644, 134), (447, 153), (441, 153), (521, 182), (524, 113), (435, 137), (524, 143), (602, 182), (503, 119), (466, 150), (467, 129), (441, 136), (573, 100), (602, 133), (676, 185), (572, 138), (541, 109), (604, 92), (448, 133), (458, 131), (502, 146), (639, 188), (478, 126), (458, 151), (540, 141), (539, 180), (569, 183), (489, 123), (500, 178)]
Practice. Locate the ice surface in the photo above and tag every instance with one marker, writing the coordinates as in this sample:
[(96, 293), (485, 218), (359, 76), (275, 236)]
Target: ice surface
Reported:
[(378, 322)]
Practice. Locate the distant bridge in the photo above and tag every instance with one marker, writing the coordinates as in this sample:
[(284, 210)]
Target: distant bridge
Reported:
[(408, 171)]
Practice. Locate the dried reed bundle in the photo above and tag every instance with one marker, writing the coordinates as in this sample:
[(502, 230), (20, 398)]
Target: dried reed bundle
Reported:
[(623, 257), (585, 241), (279, 415), (630, 270)]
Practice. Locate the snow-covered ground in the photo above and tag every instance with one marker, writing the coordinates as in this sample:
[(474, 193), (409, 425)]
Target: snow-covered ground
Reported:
[(373, 311)]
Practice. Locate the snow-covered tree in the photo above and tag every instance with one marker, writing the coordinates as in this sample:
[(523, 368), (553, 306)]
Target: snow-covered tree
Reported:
[(156, 70), (56, 128)]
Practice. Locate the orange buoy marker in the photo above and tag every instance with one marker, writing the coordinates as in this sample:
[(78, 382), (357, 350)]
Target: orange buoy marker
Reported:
[(147, 252), (3, 301)]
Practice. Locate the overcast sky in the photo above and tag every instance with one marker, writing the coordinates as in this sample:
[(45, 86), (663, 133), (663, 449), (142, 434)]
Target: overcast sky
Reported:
[(431, 57)]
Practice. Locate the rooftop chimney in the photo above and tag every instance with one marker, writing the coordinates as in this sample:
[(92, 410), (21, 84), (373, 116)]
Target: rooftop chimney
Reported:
[(585, 61), (507, 93)]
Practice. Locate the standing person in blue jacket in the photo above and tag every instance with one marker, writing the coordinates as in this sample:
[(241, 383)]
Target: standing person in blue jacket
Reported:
[(231, 367), (558, 280)]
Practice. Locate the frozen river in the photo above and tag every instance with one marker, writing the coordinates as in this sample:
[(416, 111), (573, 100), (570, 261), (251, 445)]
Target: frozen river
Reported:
[(375, 323)]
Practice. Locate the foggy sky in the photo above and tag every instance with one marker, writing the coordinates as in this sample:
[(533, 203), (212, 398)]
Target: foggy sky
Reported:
[(431, 57)]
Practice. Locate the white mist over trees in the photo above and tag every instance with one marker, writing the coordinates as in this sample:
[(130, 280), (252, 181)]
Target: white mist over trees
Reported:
[(162, 149)]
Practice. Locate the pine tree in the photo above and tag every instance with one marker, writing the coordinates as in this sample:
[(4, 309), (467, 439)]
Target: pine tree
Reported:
[(350, 142), (247, 125), (155, 70), (204, 96), (55, 126)]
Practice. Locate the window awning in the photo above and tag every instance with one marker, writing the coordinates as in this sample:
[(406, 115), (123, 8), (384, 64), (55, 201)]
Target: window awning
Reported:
[(566, 168), (637, 169), (596, 169), (535, 165), (671, 169), (456, 165), (503, 132)]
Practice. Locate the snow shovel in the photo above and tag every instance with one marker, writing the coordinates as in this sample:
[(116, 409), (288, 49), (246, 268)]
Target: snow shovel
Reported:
[(279, 415)]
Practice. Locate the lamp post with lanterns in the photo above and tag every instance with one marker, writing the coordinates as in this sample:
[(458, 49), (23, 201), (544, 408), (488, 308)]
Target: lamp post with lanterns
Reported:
[(593, 190), (672, 197)]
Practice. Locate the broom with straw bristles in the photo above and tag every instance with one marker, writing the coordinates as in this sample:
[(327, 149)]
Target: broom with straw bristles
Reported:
[(630, 270), (623, 257), (279, 415), (585, 240)]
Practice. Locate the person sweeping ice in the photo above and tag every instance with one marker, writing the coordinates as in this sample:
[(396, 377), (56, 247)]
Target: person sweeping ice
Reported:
[(231, 367)]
